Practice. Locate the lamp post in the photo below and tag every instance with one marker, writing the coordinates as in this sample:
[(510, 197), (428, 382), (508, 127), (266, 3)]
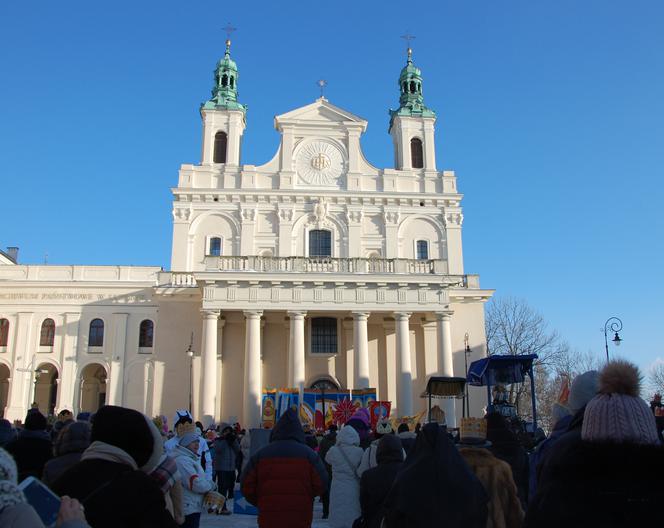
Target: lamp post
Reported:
[(466, 353), (190, 354), (614, 325)]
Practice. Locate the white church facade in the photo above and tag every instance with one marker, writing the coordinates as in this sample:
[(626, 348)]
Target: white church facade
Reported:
[(315, 269)]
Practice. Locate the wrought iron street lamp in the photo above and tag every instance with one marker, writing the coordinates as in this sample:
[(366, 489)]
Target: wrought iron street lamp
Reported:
[(613, 324)]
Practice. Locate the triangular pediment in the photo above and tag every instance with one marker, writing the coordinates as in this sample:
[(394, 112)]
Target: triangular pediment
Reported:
[(319, 113)]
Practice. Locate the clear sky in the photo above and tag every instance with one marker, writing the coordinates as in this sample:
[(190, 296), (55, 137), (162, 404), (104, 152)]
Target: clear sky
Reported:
[(551, 113)]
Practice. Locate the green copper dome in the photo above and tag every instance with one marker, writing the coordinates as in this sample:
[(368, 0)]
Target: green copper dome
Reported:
[(411, 100), (224, 93)]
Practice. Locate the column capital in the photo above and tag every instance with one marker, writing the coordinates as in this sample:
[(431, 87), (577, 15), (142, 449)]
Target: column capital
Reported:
[(297, 314), (253, 314), (210, 314), (444, 316), (401, 316), (361, 316)]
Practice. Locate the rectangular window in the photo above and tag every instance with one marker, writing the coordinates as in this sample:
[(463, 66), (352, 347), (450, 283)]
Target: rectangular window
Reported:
[(324, 335), (422, 250), (215, 247), (320, 243)]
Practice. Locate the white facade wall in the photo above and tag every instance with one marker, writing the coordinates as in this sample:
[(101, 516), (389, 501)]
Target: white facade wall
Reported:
[(388, 304)]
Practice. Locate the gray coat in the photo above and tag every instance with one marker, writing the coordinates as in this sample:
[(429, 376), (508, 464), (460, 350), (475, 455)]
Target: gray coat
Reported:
[(225, 454)]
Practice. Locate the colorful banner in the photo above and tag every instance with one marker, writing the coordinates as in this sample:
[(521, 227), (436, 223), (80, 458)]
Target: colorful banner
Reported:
[(363, 397), (308, 408), (287, 399), (378, 410), (412, 421), (269, 409)]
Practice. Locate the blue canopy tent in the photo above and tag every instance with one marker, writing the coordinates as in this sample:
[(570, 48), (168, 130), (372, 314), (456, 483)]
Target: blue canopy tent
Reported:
[(503, 370)]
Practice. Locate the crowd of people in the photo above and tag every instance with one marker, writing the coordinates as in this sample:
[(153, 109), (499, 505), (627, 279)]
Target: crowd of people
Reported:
[(600, 465)]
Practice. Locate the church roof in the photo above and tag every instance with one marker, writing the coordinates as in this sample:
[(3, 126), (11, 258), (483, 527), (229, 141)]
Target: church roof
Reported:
[(320, 112)]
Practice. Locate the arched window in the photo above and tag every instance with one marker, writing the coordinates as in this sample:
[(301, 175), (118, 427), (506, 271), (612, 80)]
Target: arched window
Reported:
[(422, 250), (416, 157), (320, 243), (47, 335), (224, 80), (4, 332), (214, 247), (232, 81), (96, 335), (220, 140), (146, 334), (323, 335), (412, 86)]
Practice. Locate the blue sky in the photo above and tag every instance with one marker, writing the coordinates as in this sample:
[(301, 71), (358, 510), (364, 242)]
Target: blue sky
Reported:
[(551, 113)]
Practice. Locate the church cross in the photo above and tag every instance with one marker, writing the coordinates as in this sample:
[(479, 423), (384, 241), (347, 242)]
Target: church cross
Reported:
[(229, 30), (408, 37), (321, 83)]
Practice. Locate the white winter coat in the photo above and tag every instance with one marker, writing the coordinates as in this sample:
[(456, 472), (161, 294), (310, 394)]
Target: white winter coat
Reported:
[(203, 452), (345, 490), (195, 483)]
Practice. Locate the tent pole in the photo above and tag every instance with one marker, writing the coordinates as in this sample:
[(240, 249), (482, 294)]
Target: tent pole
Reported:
[(532, 398)]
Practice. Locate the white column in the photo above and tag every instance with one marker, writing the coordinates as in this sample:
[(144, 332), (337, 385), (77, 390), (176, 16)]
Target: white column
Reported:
[(361, 347), (23, 370), (209, 366), (297, 349), (252, 370), (446, 361), (404, 372), (119, 344), (69, 344)]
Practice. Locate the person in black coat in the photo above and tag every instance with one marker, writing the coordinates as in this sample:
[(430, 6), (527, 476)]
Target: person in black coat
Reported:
[(435, 487), (33, 448), (111, 481), (612, 475), (73, 439), (376, 482), (506, 446)]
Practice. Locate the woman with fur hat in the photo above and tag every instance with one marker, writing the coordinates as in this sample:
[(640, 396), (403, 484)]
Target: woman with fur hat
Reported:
[(344, 458), (111, 480), (74, 438), (15, 512), (613, 476), (195, 483)]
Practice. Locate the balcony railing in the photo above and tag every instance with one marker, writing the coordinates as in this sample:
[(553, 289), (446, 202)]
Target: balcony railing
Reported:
[(326, 265)]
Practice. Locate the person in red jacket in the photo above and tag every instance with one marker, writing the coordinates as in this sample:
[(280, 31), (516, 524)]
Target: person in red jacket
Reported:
[(283, 478)]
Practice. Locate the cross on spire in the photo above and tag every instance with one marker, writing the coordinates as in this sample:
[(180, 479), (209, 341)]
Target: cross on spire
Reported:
[(229, 30), (321, 83), (408, 37)]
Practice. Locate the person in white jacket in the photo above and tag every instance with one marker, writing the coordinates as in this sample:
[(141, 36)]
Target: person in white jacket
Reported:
[(195, 483), (344, 458)]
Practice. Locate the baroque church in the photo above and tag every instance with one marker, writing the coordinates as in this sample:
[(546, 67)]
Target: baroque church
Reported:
[(316, 269)]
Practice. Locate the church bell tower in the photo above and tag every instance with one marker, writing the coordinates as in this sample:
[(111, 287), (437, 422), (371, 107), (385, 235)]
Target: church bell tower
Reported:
[(412, 124), (223, 116)]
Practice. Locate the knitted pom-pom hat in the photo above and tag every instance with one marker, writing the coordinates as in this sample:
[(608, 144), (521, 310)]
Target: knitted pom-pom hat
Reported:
[(617, 413)]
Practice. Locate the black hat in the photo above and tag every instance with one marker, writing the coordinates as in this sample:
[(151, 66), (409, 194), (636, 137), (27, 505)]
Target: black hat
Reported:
[(35, 421), (124, 428)]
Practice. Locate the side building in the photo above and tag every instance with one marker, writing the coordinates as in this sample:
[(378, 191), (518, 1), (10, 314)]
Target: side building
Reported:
[(316, 269)]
